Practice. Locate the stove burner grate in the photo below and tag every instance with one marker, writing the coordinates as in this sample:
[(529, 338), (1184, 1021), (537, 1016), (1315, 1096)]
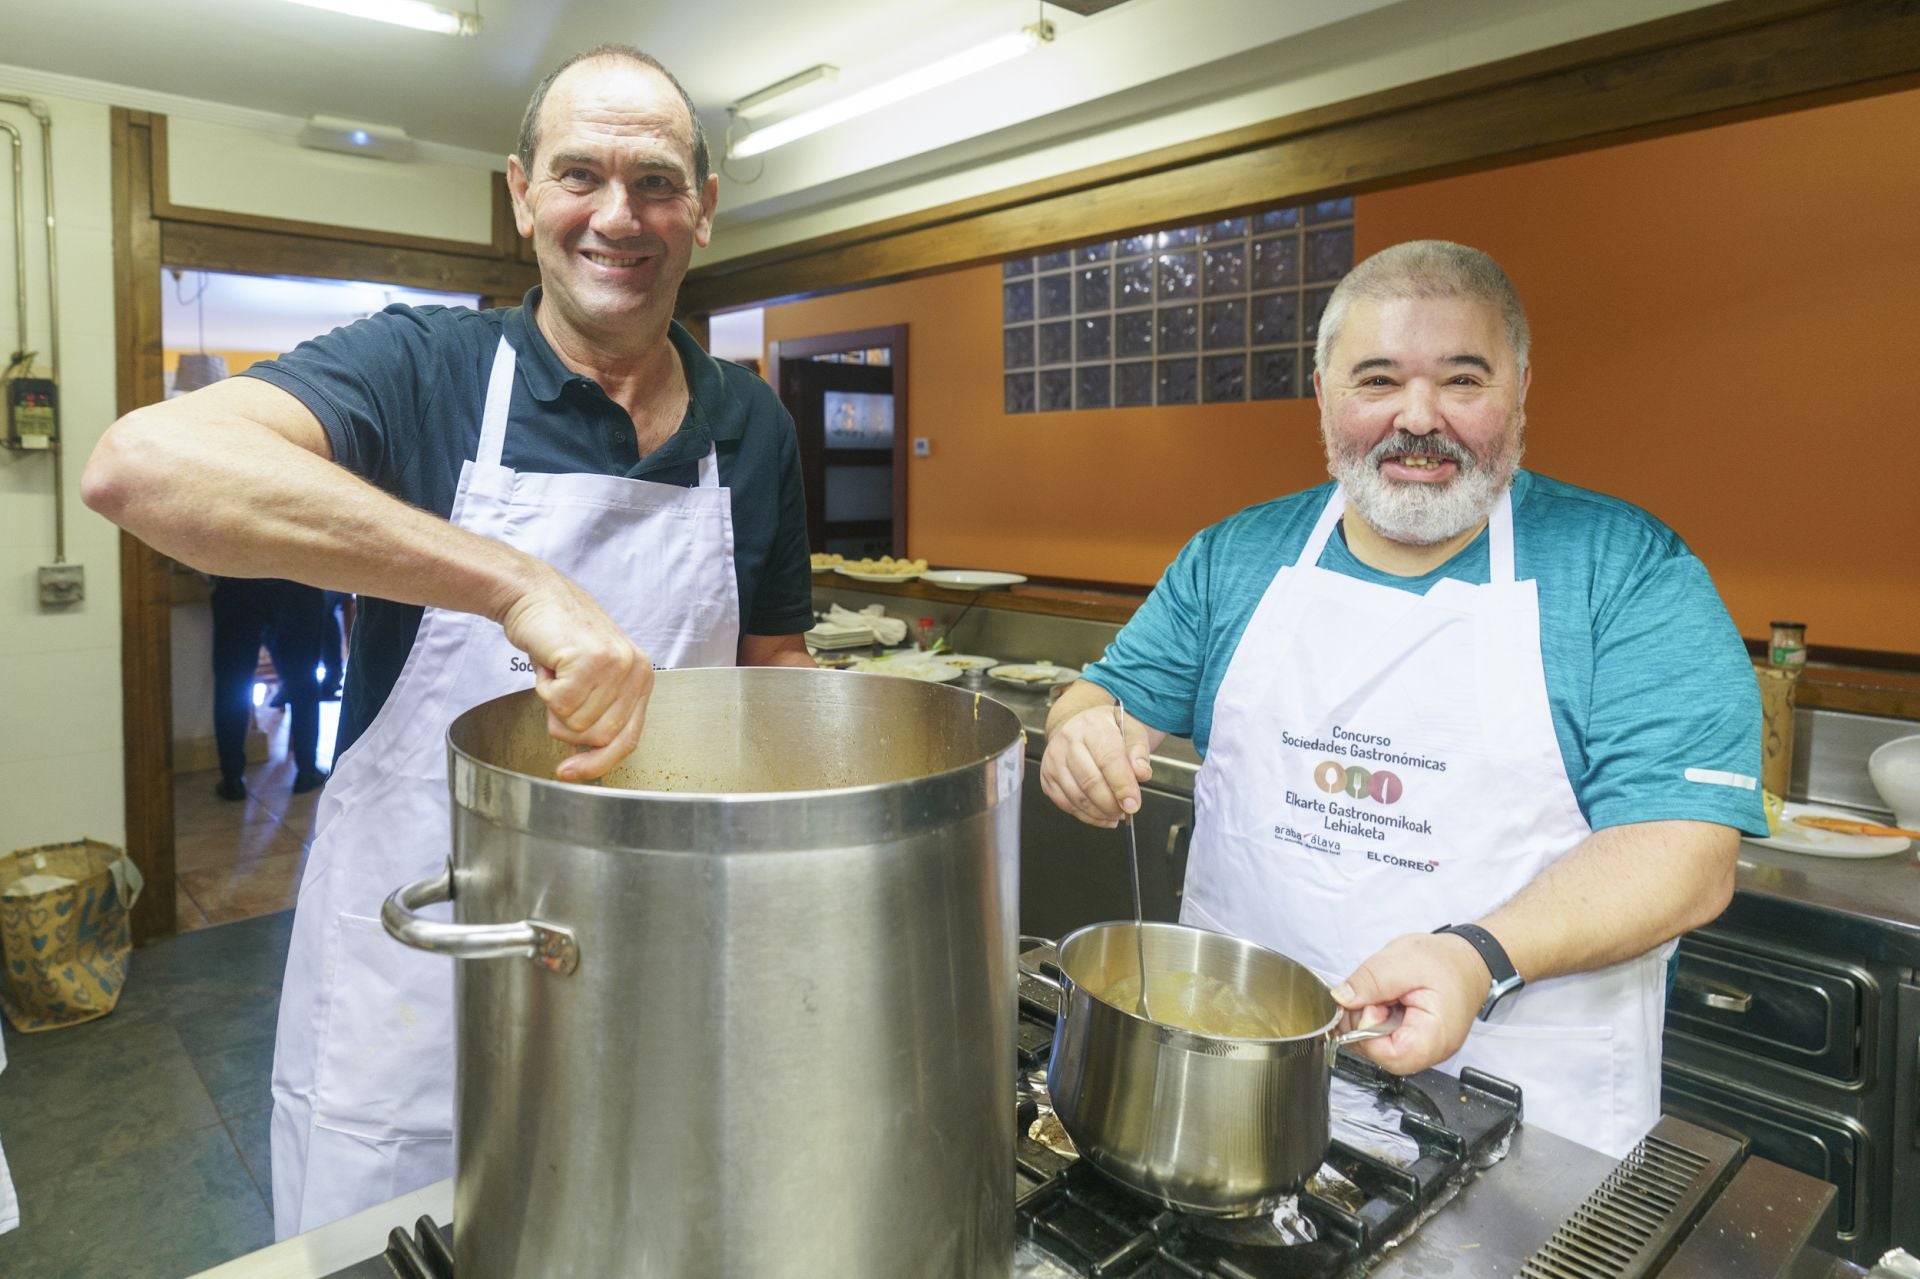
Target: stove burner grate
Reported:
[(1375, 1186)]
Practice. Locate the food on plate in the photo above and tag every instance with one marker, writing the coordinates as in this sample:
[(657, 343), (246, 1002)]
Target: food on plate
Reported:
[(887, 565), (1848, 826), (826, 559), (1774, 806), (1036, 673), (910, 666)]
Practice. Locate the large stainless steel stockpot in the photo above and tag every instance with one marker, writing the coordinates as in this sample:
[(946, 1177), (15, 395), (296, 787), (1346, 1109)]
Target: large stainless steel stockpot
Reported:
[(744, 1008), (1224, 1127)]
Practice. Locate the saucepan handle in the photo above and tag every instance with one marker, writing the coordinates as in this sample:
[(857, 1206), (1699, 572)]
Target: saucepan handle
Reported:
[(1379, 1031), (546, 945)]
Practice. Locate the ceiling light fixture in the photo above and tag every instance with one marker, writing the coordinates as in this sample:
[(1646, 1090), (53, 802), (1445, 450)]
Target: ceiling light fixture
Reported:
[(355, 137), (887, 92), (764, 101), (418, 14)]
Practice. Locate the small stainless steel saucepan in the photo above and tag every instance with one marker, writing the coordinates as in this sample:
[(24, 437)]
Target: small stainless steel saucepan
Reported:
[(1208, 1124)]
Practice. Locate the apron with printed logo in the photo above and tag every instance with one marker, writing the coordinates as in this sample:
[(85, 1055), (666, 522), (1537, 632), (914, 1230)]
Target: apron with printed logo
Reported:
[(363, 1065), (1384, 762)]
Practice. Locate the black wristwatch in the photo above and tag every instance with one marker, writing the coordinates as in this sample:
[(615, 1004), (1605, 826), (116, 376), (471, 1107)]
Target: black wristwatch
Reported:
[(1505, 979)]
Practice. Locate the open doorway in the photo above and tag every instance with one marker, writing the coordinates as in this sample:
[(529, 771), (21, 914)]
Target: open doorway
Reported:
[(847, 393), (244, 778)]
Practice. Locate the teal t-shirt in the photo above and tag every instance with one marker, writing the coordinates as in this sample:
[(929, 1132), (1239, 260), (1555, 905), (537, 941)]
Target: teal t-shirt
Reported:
[(1646, 676)]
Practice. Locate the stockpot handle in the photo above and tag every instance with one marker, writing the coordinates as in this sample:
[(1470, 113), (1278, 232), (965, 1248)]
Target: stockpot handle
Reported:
[(552, 948), (1030, 941)]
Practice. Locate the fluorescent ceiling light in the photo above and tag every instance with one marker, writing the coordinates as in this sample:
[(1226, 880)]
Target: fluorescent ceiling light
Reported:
[(418, 14), (763, 101), (887, 92)]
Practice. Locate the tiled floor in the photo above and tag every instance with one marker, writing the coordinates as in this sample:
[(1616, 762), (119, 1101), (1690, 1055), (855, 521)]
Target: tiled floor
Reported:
[(239, 859), (138, 1142)]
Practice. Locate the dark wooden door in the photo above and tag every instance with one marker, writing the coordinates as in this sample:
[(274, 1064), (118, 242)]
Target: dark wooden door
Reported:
[(847, 424), (847, 393)]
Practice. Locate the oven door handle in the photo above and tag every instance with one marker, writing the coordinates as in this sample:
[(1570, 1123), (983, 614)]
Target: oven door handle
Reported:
[(1711, 994)]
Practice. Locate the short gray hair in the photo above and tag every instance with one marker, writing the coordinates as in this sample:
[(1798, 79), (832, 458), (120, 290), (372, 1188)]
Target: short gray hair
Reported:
[(1427, 269), (530, 123)]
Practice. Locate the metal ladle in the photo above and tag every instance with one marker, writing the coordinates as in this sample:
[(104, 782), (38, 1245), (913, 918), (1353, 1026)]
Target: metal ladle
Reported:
[(1133, 876)]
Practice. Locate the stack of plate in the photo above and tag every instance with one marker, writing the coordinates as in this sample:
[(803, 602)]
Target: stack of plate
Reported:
[(827, 635)]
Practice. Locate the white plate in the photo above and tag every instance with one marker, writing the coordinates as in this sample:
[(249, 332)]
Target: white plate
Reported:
[(1827, 843), (932, 670), (825, 568), (970, 579), (1035, 675), (966, 661), (844, 571)]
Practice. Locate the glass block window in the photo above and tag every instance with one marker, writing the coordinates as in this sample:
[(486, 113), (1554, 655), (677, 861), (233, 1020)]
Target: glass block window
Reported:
[(1218, 312)]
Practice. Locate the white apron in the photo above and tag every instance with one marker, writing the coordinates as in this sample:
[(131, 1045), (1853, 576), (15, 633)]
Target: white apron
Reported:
[(9, 1202), (1384, 763), (363, 1063)]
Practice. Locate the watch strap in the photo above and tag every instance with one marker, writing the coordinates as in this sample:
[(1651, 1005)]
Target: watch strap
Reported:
[(1505, 977)]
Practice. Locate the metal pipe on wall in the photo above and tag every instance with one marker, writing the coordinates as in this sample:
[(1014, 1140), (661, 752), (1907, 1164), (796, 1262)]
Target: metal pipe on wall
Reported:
[(40, 112), (19, 239)]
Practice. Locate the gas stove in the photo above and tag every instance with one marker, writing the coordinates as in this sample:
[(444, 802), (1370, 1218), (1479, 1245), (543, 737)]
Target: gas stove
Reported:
[(1401, 1149), (1426, 1175)]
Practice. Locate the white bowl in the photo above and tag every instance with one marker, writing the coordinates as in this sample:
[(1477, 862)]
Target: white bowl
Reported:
[(1895, 772)]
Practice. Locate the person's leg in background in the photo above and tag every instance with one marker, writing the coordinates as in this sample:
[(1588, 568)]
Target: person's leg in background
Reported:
[(295, 641), (333, 607), (238, 618)]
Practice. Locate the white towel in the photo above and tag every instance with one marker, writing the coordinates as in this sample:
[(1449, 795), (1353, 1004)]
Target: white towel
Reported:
[(888, 630)]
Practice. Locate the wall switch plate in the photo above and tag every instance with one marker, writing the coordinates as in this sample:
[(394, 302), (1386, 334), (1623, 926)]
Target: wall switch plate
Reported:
[(922, 446), (62, 583)]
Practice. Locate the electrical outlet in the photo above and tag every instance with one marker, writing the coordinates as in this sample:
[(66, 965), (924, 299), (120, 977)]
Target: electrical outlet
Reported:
[(922, 446), (62, 583)]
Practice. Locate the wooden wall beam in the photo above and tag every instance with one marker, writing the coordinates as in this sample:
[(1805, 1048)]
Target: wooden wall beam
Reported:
[(146, 692), (1711, 66), (201, 247)]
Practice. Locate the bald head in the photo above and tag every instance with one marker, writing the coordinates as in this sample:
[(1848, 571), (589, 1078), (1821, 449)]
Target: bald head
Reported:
[(531, 122)]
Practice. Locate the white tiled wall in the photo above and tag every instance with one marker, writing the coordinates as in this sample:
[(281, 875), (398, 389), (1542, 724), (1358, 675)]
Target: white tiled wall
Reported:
[(60, 742)]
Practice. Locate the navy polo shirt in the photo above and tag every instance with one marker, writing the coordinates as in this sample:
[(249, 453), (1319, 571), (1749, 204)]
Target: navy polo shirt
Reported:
[(400, 395)]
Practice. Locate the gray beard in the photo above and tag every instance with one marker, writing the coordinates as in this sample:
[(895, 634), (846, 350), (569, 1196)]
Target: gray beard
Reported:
[(1426, 514)]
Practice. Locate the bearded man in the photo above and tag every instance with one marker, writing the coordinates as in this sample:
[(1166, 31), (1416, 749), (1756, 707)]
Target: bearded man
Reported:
[(1465, 729)]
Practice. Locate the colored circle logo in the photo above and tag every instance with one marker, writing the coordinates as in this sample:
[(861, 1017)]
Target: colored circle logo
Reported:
[(1335, 778)]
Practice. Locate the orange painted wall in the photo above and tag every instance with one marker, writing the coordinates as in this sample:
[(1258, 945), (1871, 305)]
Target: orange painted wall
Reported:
[(1110, 494), (1726, 329)]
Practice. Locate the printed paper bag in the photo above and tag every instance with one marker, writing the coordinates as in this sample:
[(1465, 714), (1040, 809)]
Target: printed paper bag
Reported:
[(64, 934)]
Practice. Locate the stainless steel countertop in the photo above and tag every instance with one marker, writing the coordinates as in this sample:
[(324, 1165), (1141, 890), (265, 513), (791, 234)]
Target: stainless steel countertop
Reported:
[(1500, 1217), (1880, 891), (1493, 1224)]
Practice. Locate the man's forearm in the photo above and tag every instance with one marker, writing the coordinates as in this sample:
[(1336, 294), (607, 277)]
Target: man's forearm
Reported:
[(774, 650), (1620, 893), (1082, 695), (229, 496)]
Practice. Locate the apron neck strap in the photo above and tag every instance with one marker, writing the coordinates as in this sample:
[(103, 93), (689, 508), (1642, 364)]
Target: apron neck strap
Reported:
[(710, 468), (1499, 535), (1500, 540), (493, 419), (1323, 529)]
